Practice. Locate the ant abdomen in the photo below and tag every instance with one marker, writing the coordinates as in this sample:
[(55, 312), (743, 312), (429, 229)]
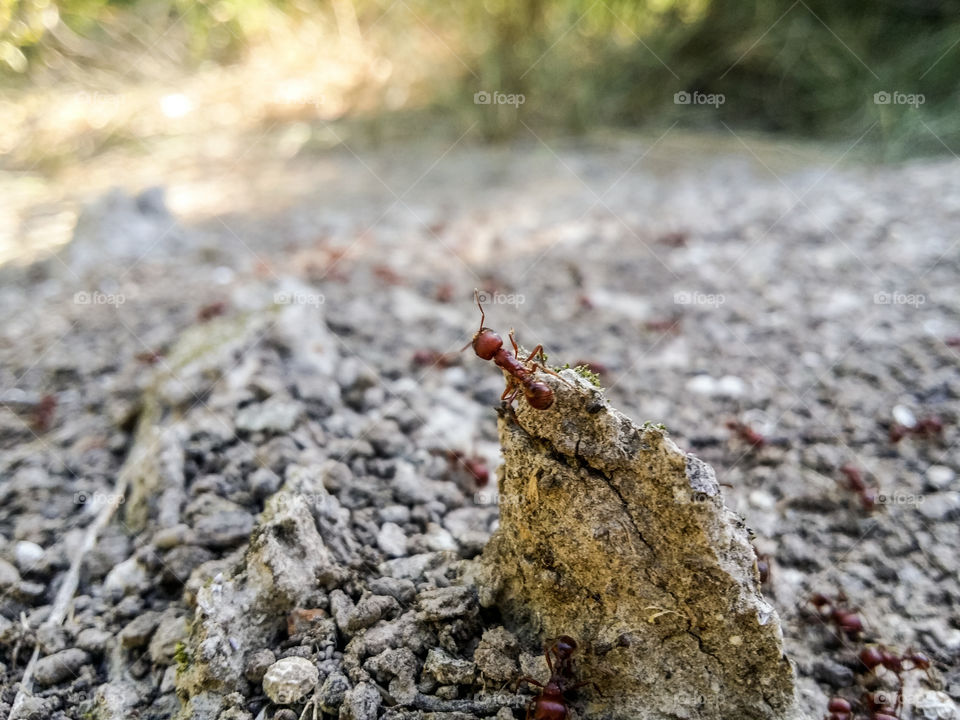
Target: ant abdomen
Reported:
[(539, 395)]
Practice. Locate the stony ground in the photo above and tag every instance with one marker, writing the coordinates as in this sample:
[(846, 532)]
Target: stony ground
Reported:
[(261, 400)]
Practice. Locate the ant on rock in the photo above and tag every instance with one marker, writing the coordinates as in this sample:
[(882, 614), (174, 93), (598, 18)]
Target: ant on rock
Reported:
[(550, 704), (488, 345)]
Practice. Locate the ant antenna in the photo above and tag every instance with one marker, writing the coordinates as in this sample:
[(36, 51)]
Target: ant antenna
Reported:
[(476, 294)]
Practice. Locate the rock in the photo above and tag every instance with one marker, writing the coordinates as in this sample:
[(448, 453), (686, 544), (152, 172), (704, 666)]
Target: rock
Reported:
[(413, 567), (223, 529), (361, 702), (94, 640), (934, 705), (245, 605), (402, 590), (447, 603), (470, 526), (940, 505), (257, 664), (400, 666), (171, 631), (341, 607), (180, 561), (290, 679), (332, 692), (27, 554), (124, 229), (61, 666), (392, 540), (399, 514), (51, 639), (168, 683), (9, 575), (130, 576), (116, 700), (369, 610), (832, 673), (940, 476), (448, 670), (264, 482), (606, 526), (137, 632), (171, 537), (496, 655), (277, 415), (438, 538)]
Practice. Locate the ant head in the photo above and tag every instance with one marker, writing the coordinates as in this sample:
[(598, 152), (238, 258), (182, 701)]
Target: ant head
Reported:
[(486, 343), (540, 397), (564, 646)]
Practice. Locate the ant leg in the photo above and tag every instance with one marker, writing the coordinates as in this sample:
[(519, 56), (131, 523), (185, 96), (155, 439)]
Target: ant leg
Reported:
[(548, 371), (512, 389), (546, 654), (531, 708), (516, 350), (529, 680), (538, 350)]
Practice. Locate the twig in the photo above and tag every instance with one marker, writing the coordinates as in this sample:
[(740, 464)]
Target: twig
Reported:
[(69, 587)]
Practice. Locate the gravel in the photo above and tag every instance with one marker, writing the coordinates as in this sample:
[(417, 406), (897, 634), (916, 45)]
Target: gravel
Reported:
[(297, 451)]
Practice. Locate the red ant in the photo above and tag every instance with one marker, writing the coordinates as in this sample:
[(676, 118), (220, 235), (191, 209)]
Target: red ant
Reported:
[(927, 427), (667, 325), (475, 466), (763, 566), (875, 704), (674, 239), (149, 357), (746, 433), (855, 483), (550, 704), (444, 293), (845, 620), (839, 709), (43, 413), (388, 275), (520, 374), (874, 656), (214, 309)]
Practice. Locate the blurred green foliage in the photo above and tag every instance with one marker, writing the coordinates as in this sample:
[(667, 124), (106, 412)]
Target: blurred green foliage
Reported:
[(807, 67)]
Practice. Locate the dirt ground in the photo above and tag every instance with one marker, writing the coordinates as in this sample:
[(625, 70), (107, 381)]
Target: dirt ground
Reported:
[(790, 316)]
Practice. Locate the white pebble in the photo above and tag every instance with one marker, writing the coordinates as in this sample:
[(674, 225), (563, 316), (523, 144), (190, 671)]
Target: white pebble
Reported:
[(289, 679), (27, 554)]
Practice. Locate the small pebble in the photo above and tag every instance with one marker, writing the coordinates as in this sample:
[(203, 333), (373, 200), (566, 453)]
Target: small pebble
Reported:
[(290, 679)]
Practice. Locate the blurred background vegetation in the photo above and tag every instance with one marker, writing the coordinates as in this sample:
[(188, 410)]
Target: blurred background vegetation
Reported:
[(805, 67)]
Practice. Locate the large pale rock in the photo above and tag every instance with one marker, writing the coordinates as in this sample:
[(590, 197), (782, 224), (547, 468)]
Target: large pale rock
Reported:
[(613, 535)]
